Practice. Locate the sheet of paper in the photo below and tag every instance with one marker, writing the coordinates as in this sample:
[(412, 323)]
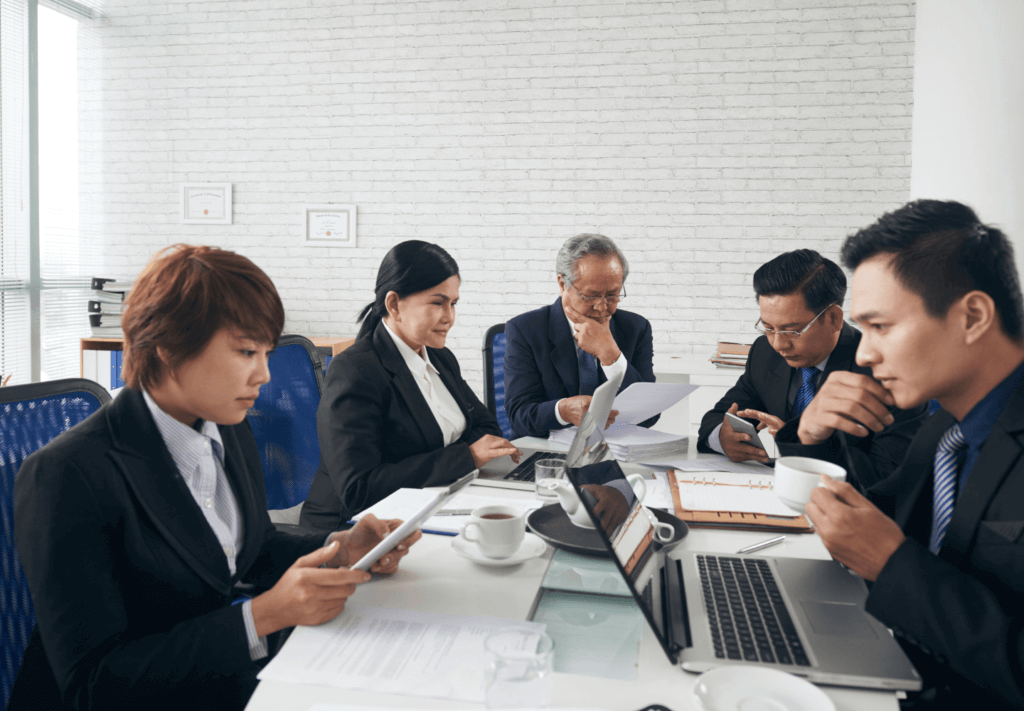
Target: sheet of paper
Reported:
[(725, 491), (405, 502), (659, 495), (620, 434), (642, 401), (716, 463), (391, 651)]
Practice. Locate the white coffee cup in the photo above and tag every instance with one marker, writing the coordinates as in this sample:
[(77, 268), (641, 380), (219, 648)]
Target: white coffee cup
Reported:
[(498, 531), (797, 477)]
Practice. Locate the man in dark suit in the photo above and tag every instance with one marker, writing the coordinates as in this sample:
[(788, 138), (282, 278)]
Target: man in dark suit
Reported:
[(939, 299), (806, 346), (557, 355)]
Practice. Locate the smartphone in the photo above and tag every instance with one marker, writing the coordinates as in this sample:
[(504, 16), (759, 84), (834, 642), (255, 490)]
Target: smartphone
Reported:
[(741, 425)]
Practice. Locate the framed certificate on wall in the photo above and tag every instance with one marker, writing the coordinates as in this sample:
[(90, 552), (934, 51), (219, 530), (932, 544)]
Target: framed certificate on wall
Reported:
[(330, 225), (206, 203)]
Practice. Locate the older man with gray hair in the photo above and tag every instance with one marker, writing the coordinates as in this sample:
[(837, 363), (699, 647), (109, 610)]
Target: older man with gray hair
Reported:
[(557, 355)]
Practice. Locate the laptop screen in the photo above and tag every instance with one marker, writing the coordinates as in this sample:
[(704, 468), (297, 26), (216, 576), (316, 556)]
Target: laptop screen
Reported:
[(622, 522)]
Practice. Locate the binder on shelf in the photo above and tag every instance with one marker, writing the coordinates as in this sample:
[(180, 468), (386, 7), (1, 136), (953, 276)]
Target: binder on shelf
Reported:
[(112, 285), (725, 518), (106, 307), (108, 297), (104, 320)]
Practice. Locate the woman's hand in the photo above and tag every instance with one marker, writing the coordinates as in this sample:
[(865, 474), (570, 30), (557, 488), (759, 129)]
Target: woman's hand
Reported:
[(361, 538), (306, 594), (490, 447)]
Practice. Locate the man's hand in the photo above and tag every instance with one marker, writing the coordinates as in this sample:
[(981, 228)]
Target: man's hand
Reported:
[(572, 410), (491, 447), (734, 443), (306, 594), (594, 336), (853, 530), (361, 538), (769, 422), (854, 403)]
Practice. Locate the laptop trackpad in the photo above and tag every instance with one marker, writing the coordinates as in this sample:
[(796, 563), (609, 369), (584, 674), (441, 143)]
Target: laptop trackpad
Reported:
[(838, 620)]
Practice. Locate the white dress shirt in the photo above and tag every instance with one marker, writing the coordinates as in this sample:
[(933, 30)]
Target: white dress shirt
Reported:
[(619, 366), (714, 440), (199, 456), (446, 411)]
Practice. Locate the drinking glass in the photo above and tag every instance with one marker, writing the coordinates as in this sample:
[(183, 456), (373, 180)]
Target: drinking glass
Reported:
[(520, 663), (548, 469)]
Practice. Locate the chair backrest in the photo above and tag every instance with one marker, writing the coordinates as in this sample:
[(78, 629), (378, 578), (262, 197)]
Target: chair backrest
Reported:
[(284, 421), (30, 416), (494, 376)]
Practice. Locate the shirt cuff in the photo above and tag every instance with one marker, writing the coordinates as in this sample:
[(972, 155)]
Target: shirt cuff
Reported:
[(713, 440), (558, 417), (619, 366), (257, 645)]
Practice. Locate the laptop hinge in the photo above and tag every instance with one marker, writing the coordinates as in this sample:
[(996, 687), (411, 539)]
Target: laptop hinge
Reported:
[(673, 600)]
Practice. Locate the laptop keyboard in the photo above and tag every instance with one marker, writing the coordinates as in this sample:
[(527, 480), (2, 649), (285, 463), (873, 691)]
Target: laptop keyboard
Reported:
[(748, 617), (526, 469)]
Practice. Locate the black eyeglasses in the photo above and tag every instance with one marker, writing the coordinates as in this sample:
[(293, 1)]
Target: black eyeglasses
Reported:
[(789, 334), (609, 299)]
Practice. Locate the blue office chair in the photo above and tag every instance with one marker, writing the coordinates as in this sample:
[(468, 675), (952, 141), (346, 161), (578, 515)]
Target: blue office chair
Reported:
[(284, 421), (494, 376), (30, 416)]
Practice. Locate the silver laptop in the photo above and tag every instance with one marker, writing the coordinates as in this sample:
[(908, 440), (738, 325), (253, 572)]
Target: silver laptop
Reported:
[(805, 617), (504, 473)]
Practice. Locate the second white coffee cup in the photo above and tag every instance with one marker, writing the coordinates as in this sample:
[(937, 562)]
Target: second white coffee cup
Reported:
[(498, 531), (796, 478)]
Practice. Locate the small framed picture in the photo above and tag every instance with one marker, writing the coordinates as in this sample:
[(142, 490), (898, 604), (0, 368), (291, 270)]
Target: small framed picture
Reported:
[(330, 225), (206, 203)]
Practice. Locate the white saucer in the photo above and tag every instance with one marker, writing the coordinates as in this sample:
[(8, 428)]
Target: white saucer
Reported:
[(750, 688), (531, 548)]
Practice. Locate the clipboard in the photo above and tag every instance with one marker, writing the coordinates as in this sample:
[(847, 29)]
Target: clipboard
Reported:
[(736, 520)]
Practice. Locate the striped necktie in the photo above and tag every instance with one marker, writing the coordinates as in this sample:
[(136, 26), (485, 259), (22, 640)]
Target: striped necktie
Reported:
[(947, 465), (588, 372), (806, 392)]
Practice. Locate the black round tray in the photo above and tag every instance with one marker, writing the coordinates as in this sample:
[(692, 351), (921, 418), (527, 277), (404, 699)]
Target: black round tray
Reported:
[(553, 525)]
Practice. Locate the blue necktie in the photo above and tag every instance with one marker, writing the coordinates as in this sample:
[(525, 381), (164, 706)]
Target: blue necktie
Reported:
[(947, 464), (806, 392), (588, 372)]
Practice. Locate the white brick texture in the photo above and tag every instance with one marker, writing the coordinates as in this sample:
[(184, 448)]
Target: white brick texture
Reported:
[(704, 136)]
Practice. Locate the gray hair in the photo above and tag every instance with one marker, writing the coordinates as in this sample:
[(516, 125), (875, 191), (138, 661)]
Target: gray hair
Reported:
[(575, 248)]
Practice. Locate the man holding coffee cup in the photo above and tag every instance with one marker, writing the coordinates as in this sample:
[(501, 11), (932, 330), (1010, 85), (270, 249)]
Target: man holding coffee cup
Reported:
[(806, 354), (939, 299)]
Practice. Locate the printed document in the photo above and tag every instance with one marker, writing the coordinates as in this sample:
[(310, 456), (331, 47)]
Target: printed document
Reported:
[(406, 502), (642, 401), (392, 651)]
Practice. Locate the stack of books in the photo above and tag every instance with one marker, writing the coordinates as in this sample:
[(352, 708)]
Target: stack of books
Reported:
[(731, 355), (105, 305)]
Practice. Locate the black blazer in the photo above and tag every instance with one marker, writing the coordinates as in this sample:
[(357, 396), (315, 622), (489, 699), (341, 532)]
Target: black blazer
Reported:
[(541, 366), (764, 386), (378, 434), (961, 613), (131, 588)]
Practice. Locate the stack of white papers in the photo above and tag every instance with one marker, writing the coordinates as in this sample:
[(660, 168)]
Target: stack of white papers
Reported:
[(630, 443), (405, 502)]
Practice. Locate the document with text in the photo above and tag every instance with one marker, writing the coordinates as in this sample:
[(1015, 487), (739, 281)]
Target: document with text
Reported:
[(392, 651)]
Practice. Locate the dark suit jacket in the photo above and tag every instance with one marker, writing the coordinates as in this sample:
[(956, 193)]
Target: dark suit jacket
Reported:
[(541, 366), (962, 611), (764, 386), (378, 434), (131, 588)]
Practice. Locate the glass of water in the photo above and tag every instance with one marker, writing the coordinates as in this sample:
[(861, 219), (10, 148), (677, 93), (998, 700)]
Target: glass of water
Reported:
[(548, 469), (520, 663)]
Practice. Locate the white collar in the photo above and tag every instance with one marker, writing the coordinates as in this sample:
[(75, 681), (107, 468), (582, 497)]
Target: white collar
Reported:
[(185, 444), (416, 362)]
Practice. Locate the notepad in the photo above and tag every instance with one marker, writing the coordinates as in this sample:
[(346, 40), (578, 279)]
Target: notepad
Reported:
[(731, 500)]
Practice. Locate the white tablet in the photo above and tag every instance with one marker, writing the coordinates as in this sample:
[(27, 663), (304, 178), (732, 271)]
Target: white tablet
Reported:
[(429, 509)]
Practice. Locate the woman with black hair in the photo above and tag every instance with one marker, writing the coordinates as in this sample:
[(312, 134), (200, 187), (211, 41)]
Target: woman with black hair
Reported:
[(395, 411)]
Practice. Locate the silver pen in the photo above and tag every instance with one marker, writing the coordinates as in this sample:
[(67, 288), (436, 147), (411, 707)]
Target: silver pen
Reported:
[(454, 512), (762, 544)]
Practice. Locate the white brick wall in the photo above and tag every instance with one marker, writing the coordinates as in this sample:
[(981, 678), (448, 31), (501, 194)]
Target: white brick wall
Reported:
[(704, 136)]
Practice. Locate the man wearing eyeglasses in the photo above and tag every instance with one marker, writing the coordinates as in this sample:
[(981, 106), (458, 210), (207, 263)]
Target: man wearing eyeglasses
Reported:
[(804, 362), (557, 355)]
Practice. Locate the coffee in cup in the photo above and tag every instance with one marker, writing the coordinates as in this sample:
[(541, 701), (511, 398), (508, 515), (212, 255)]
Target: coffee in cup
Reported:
[(797, 477), (497, 530)]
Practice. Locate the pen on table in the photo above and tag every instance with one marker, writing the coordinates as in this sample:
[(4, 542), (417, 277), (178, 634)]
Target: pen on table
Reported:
[(454, 512), (762, 544)]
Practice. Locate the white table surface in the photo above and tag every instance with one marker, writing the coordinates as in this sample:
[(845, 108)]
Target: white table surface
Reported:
[(434, 578)]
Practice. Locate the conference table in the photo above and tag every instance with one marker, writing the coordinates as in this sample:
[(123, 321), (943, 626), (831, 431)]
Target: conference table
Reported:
[(433, 578)]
